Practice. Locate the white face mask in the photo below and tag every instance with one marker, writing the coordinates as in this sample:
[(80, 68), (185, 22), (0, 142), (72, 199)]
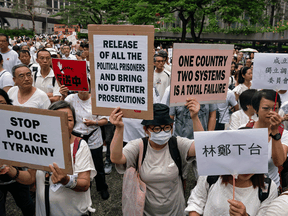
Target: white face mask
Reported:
[(160, 138)]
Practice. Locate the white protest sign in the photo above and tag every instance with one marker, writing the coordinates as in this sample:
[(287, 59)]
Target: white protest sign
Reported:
[(121, 66), (270, 71), (34, 140), (232, 152)]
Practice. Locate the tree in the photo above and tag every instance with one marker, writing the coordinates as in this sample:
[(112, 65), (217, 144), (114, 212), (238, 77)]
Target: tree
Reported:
[(31, 7)]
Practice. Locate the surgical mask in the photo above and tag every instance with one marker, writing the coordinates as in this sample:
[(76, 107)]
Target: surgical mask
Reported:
[(160, 138)]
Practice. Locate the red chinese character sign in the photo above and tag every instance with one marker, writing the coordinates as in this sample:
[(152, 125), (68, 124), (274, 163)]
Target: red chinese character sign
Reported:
[(71, 73)]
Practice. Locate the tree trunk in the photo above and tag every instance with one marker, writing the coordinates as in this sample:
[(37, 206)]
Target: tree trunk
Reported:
[(272, 14), (184, 25), (33, 23)]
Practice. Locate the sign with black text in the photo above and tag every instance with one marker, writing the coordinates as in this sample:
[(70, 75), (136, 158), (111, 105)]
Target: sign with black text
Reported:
[(232, 151), (34, 138), (121, 68)]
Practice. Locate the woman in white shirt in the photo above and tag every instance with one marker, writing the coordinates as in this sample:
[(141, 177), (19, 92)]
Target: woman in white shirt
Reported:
[(244, 80)]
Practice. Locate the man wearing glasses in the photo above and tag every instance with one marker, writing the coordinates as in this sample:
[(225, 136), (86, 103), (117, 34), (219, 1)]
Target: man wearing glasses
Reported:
[(162, 77), (23, 93), (10, 57)]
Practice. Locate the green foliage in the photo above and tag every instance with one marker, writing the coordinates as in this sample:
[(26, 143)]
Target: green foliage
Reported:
[(82, 35), (17, 32)]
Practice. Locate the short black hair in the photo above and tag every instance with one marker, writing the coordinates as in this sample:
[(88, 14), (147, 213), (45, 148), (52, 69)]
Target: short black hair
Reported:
[(245, 98), (1, 58), (16, 48), (42, 50), (24, 51), (268, 94), (243, 71), (6, 97), (7, 38), (163, 54)]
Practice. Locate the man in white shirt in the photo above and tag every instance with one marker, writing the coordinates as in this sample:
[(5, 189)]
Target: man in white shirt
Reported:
[(67, 55), (25, 58), (10, 57), (23, 93), (161, 77), (6, 79), (43, 76)]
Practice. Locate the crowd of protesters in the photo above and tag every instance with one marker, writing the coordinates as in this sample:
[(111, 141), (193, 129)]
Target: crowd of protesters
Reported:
[(27, 79)]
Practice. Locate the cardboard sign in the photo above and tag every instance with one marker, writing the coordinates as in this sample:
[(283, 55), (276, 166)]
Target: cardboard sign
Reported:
[(270, 71), (71, 73), (34, 138), (232, 152), (122, 69), (200, 71)]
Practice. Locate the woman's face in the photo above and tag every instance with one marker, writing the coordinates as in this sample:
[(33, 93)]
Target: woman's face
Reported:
[(159, 128), (2, 100), (70, 119), (248, 75), (265, 108)]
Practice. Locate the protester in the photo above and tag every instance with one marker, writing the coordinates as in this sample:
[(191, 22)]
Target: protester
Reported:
[(66, 53), (24, 57), (244, 81), (23, 93), (6, 79), (164, 195), (73, 197), (278, 206), (88, 127)]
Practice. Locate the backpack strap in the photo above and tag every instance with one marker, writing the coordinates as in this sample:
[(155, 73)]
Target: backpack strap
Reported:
[(264, 193), (35, 75), (175, 154), (212, 180), (76, 146), (53, 81), (46, 192), (167, 73), (145, 145), (3, 72)]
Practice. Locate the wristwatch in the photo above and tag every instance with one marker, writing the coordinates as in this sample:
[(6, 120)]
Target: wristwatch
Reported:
[(276, 136)]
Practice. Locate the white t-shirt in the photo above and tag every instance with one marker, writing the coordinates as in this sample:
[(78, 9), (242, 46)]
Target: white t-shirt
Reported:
[(164, 190), (45, 84), (133, 129), (70, 57), (38, 100), (10, 59), (161, 81), (284, 97), (278, 206), (223, 108), (83, 110), (240, 88), (65, 201), (239, 118), (168, 67), (6, 79), (213, 201), (166, 97)]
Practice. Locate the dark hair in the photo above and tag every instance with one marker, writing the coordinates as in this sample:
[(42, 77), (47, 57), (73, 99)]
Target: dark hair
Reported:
[(16, 48), (6, 97), (163, 54), (7, 39), (243, 71), (268, 94), (257, 180), (86, 45), (24, 51), (42, 50), (235, 65), (61, 105), (66, 45), (245, 98), (18, 66), (156, 55), (1, 58)]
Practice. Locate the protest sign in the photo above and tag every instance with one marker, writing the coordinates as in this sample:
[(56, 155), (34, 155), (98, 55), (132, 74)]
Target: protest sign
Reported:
[(200, 71), (71, 73), (34, 138), (270, 71), (232, 152), (121, 60)]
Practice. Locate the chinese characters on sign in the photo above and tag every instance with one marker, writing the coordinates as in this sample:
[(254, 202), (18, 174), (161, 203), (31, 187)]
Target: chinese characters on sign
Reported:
[(71, 73), (270, 71), (232, 152)]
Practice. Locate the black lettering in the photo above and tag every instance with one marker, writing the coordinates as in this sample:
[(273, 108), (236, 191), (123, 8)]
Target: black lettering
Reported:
[(19, 147), (13, 121), (51, 151), (105, 44), (9, 133)]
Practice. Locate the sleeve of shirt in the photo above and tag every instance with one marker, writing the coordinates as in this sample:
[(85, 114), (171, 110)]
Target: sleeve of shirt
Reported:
[(212, 107), (235, 121), (7, 80), (84, 161), (131, 152), (265, 204), (231, 98), (56, 89), (198, 196), (69, 98)]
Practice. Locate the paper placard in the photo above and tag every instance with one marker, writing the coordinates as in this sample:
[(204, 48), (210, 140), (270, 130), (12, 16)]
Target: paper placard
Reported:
[(200, 71), (122, 69), (232, 152), (34, 138), (71, 73), (270, 71)]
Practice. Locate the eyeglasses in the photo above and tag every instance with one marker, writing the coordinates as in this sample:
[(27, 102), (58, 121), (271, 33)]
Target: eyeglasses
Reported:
[(160, 61), (266, 109), (3, 41), (22, 76), (158, 128)]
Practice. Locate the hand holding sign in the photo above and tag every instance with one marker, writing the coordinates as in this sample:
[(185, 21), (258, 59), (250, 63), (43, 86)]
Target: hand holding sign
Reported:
[(116, 117), (64, 91), (58, 176), (237, 208), (193, 105), (4, 169), (275, 121)]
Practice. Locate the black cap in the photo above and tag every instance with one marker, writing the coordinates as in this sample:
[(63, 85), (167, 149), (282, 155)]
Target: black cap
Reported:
[(161, 115)]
